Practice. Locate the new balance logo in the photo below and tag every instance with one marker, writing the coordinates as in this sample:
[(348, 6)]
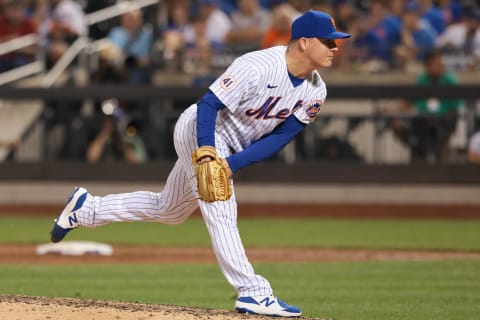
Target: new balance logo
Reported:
[(72, 219), (269, 86), (267, 301)]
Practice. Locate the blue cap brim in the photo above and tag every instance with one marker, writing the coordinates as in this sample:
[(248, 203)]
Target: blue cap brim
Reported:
[(338, 35)]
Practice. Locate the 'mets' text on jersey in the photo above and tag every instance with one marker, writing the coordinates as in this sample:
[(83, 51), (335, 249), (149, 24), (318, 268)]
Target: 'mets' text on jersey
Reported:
[(259, 94)]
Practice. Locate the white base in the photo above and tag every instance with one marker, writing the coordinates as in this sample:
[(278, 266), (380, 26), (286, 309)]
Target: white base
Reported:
[(75, 248)]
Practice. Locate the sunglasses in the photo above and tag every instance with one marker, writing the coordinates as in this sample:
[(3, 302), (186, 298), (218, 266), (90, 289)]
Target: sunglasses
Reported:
[(329, 43)]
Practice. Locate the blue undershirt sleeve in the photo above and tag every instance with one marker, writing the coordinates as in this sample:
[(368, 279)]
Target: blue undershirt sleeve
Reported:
[(207, 109), (268, 145)]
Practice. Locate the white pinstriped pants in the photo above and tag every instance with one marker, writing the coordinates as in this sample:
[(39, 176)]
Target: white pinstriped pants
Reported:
[(177, 202)]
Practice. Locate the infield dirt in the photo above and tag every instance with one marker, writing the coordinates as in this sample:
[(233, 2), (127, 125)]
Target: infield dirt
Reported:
[(26, 254), (36, 308)]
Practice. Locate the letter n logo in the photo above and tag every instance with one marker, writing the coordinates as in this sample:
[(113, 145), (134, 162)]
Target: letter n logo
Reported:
[(72, 219), (267, 301)]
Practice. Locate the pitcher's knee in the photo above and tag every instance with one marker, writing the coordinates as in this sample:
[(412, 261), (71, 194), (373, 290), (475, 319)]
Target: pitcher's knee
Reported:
[(175, 218)]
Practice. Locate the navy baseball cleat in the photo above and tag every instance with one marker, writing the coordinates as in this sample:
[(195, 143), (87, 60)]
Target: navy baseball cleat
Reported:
[(266, 305), (67, 220)]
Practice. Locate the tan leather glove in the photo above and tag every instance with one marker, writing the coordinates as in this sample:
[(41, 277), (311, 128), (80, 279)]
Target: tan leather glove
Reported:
[(213, 175)]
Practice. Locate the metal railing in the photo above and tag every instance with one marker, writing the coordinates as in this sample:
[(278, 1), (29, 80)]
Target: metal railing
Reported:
[(84, 44), (116, 10), (18, 43), (24, 71), (49, 79), (73, 51)]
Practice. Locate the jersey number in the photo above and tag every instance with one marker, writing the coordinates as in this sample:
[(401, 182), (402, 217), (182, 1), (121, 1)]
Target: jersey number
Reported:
[(227, 82)]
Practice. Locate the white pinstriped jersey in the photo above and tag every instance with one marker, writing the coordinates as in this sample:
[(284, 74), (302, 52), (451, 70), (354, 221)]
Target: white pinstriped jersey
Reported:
[(258, 94)]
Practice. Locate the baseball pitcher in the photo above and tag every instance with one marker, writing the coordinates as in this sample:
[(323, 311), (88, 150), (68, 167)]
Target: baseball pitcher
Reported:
[(256, 107)]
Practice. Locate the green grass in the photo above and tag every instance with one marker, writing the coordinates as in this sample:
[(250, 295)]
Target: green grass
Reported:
[(358, 291), (345, 233), (349, 290)]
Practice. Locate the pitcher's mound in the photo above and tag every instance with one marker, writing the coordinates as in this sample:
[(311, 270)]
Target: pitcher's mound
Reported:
[(15, 307)]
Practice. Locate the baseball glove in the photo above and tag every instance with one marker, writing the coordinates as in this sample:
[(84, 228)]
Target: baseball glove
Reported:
[(213, 181)]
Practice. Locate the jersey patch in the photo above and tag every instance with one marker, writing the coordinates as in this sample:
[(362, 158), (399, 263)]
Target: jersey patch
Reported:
[(313, 108), (227, 82)]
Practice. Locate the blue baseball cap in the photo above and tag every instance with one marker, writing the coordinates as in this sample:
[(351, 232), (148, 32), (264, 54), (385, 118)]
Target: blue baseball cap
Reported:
[(316, 24)]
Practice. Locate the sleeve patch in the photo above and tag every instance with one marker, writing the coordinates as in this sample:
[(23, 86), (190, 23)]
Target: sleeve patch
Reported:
[(313, 108), (227, 82)]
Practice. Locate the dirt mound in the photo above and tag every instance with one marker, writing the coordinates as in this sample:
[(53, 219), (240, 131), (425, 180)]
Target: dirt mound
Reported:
[(15, 307)]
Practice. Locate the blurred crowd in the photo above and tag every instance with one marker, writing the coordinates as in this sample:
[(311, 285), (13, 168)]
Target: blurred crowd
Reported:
[(195, 36), (433, 39)]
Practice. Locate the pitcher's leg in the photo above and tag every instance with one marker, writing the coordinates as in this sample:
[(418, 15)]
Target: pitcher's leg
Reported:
[(171, 206), (221, 221), (220, 217)]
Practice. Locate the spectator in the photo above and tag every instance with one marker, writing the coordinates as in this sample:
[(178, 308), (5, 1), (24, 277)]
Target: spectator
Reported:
[(428, 135), (64, 23), (460, 43), (37, 11), (417, 38), (13, 24), (361, 53), (134, 39), (116, 141), (109, 67), (386, 27), (77, 126), (173, 14), (435, 74), (226, 6), (279, 31), (433, 13), (451, 10), (178, 32), (202, 60), (249, 23), (199, 52), (109, 71), (218, 23)]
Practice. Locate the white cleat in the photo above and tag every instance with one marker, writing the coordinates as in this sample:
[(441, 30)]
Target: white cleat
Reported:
[(266, 305), (67, 220)]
